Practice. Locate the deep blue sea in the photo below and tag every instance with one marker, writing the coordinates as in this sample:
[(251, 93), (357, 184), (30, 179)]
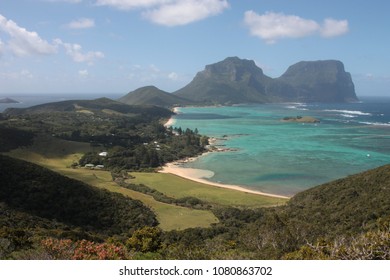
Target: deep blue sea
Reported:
[(285, 158)]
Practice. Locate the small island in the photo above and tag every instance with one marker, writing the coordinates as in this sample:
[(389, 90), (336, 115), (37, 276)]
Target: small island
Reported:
[(301, 119), (8, 100)]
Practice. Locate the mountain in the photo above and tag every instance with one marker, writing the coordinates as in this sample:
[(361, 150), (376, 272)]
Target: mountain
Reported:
[(236, 80), (230, 81), (320, 81), (151, 95)]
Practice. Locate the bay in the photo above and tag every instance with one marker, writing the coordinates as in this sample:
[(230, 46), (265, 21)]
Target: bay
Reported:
[(285, 158)]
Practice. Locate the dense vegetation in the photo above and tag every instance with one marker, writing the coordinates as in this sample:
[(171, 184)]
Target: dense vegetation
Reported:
[(344, 219), (12, 138), (132, 136), (153, 96), (154, 147)]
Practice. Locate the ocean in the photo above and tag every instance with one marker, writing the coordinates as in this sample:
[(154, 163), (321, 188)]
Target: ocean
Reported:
[(272, 156)]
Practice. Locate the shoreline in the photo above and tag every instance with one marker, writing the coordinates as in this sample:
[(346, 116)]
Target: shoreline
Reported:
[(171, 120), (201, 175)]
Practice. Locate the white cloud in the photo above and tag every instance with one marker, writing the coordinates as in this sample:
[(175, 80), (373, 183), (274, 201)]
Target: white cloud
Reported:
[(81, 23), (83, 73), (23, 42), (185, 11), (173, 76), (171, 12), (75, 52), (273, 26), (333, 27), (131, 4)]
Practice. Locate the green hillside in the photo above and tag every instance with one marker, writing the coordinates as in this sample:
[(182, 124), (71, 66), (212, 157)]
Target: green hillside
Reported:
[(346, 206), (98, 106), (153, 96), (37, 191)]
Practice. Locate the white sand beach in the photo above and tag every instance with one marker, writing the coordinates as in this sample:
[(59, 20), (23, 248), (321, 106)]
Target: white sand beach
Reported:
[(171, 121), (200, 176)]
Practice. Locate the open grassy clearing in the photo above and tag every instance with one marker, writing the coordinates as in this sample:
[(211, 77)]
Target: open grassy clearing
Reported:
[(177, 187)]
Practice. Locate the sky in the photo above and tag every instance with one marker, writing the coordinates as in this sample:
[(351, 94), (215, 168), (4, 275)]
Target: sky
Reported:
[(116, 46)]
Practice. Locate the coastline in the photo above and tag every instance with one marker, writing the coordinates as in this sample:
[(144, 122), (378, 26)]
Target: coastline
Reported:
[(171, 120), (201, 175)]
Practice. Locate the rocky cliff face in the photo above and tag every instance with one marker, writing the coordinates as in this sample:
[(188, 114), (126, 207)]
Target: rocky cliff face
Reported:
[(320, 81), (230, 81), (236, 80)]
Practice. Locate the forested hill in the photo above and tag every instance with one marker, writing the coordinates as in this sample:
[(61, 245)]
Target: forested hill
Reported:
[(133, 136), (345, 206), (48, 196), (98, 106), (153, 96)]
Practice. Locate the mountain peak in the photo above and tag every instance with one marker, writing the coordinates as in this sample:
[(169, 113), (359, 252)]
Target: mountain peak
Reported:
[(152, 95), (320, 81), (233, 66)]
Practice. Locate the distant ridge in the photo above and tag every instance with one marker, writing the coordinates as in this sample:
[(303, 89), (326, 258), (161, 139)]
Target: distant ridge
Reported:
[(99, 106), (152, 95), (235, 80), (8, 100)]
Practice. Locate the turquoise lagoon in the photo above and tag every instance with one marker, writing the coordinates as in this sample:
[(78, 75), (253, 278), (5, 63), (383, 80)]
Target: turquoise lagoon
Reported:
[(285, 158)]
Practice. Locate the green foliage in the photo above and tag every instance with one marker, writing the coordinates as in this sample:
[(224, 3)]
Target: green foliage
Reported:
[(152, 96), (12, 138), (372, 245), (146, 239), (133, 135)]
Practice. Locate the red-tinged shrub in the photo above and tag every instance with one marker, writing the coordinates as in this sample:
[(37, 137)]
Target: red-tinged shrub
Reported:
[(83, 250)]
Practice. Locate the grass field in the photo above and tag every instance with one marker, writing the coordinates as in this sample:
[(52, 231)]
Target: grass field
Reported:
[(58, 155), (177, 187), (45, 153)]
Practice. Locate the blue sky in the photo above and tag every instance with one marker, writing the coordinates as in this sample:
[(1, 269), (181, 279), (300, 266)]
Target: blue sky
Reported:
[(115, 46)]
